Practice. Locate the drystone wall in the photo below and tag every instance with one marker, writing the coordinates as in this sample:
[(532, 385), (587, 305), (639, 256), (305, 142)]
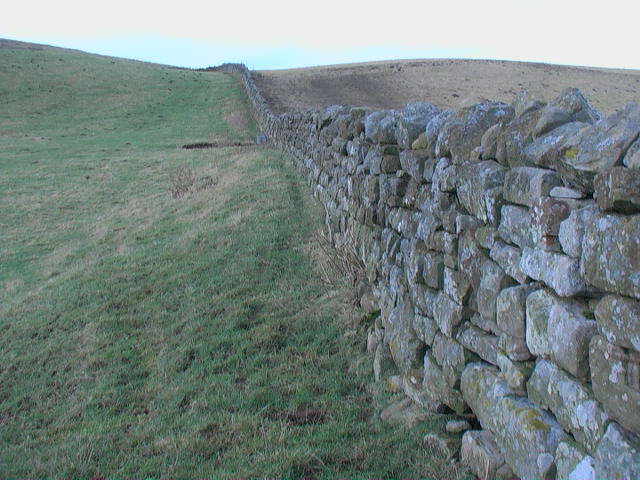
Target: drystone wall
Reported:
[(502, 246)]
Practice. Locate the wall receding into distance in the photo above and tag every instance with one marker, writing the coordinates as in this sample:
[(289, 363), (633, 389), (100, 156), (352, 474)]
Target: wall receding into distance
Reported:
[(502, 246)]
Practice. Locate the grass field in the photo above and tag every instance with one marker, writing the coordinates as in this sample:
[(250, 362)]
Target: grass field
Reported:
[(160, 311)]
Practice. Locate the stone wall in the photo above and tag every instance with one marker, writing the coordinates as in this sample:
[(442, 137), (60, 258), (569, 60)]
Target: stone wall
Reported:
[(502, 246)]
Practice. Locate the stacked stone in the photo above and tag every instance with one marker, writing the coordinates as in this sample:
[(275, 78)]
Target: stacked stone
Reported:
[(502, 244)]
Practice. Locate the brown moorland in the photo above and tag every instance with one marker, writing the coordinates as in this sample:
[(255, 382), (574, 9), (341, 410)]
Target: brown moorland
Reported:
[(445, 83)]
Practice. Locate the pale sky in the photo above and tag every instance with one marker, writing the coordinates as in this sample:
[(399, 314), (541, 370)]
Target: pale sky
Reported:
[(287, 33)]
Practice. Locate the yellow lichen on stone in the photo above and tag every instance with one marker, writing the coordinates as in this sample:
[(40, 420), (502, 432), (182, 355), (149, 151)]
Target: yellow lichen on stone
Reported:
[(532, 419), (571, 153)]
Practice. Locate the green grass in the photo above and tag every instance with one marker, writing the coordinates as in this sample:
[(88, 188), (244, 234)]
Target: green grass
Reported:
[(143, 335)]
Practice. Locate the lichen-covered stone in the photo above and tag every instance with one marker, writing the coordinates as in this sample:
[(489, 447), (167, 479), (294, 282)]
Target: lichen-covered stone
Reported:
[(425, 328), (433, 269), (618, 190), (560, 272), (382, 362), (448, 314), (380, 127), (463, 132), (572, 463), (569, 333), (444, 176), (599, 147), (493, 280), (451, 357), (610, 258), (632, 157), (569, 106), (566, 193), (573, 404), (547, 150), (406, 348), (412, 120), (412, 162), (428, 225), (511, 309), (547, 213), (471, 258), (432, 130), (514, 347), (489, 142), (615, 379), (479, 341), (486, 236), (538, 307), (618, 455), (474, 182), (481, 454), (571, 230), (524, 185), (515, 226), (618, 320), (457, 285), (516, 135), (526, 435), (515, 373), (437, 387), (508, 258)]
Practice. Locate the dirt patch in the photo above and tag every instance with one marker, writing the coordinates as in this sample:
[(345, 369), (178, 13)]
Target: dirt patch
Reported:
[(445, 83)]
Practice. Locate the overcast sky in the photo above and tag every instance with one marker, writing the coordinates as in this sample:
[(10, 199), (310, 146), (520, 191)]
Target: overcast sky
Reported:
[(287, 33)]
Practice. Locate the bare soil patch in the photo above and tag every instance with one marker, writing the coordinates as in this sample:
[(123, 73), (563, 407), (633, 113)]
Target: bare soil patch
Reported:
[(393, 84)]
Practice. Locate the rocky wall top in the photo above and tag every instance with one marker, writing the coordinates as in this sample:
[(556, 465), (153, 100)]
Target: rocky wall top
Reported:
[(502, 245)]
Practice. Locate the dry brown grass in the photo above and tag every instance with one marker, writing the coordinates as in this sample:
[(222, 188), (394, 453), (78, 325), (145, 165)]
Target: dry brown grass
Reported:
[(393, 84)]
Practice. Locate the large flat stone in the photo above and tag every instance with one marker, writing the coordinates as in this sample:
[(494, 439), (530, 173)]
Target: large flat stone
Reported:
[(610, 258), (524, 185), (463, 132), (479, 341), (599, 147), (526, 435), (560, 272), (573, 404), (615, 377)]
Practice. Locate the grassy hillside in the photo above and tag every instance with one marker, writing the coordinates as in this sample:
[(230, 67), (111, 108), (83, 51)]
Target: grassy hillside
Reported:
[(160, 312)]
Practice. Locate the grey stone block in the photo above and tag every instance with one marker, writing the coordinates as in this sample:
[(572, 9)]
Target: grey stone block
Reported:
[(573, 404), (615, 377), (619, 321)]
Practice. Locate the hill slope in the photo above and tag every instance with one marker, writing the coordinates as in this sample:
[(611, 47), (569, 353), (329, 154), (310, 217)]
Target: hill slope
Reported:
[(160, 312), (445, 83)]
